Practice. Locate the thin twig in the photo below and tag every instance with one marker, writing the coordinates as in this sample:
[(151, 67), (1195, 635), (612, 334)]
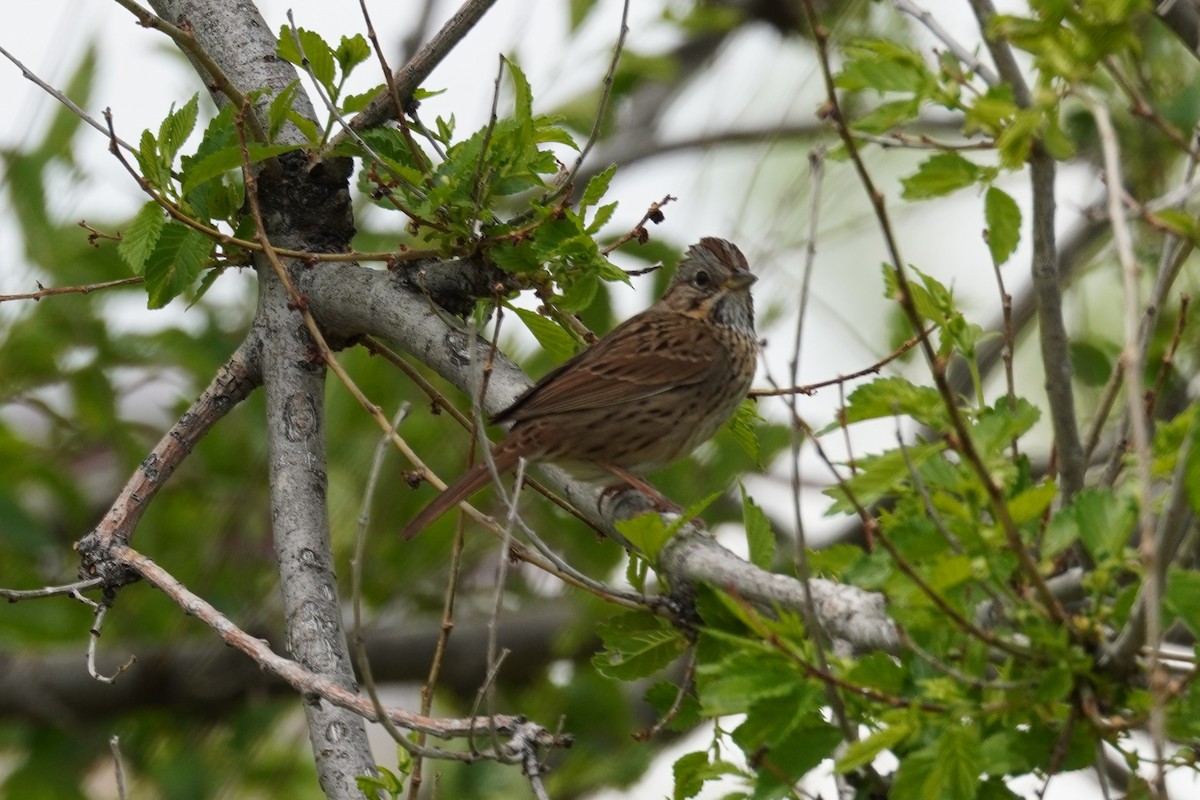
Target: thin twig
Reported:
[(98, 615), (356, 569), (602, 107), (816, 172), (70, 589), (62, 98), (114, 746), (811, 388), (409, 77), (964, 56), (216, 76), (1148, 546)]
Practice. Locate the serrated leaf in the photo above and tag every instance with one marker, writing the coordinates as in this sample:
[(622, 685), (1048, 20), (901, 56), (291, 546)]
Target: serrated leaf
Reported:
[(742, 679), (140, 237), (637, 644), (148, 162), (743, 426), (759, 538), (175, 262), (557, 343), (939, 175), (693, 770), (176, 128), (888, 116), (281, 104), (596, 187), (1098, 518), (222, 161), (315, 49), (646, 532), (864, 751), (886, 397), (352, 51), (1003, 218), (522, 106), (353, 103), (1016, 140), (600, 218)]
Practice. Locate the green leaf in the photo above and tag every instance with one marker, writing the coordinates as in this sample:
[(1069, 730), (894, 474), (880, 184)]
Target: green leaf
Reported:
[(646, 532), (743, 426), (352, 51), (887, 397), (596, 187), (882, 476), (742, 679), (352, 103), (664, 695), (557, 343), (1097, 518), (884, 66), (637, 644), (176, 128), (1031, 503), (1180, 222), (281, 104), (140, 237), (864, 751), (177, 258), (1003, 224), (522, 106), (759, 538), (1090, 362), (888, 116), (1016, 139), (949, 768), (149, 164), (221, 161), (600, 218), (315, 49), (693, 770), (1182, 598), (940, 175)]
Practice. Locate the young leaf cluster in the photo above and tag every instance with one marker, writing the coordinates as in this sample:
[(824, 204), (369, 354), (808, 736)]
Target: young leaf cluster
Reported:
[(176, 236)]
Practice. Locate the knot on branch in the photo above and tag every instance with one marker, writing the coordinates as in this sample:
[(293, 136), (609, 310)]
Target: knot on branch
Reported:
[(308, 205), (456, 284), (96, 560)]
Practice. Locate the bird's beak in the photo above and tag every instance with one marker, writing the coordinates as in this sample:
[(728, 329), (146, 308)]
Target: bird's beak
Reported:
[(740, 280)]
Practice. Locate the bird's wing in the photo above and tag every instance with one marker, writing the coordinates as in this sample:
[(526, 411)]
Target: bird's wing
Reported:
[(646, 355)]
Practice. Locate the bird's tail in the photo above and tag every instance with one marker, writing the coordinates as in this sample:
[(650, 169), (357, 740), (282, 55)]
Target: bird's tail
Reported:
[(468, 483)]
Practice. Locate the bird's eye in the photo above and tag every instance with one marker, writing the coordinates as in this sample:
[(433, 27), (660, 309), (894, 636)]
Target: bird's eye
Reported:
[(702, 280)]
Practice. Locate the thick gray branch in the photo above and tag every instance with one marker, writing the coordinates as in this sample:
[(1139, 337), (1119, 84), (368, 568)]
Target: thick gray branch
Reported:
[(303, 208), (350, 300)]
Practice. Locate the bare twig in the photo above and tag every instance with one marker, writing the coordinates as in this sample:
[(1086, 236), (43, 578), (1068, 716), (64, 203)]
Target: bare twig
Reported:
[(187, 42), (874, 369), (62, 98), (410, 76), (964, 56), (602, 107), (1149, 546), (70, 590), (98, 614), (114, 746)]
